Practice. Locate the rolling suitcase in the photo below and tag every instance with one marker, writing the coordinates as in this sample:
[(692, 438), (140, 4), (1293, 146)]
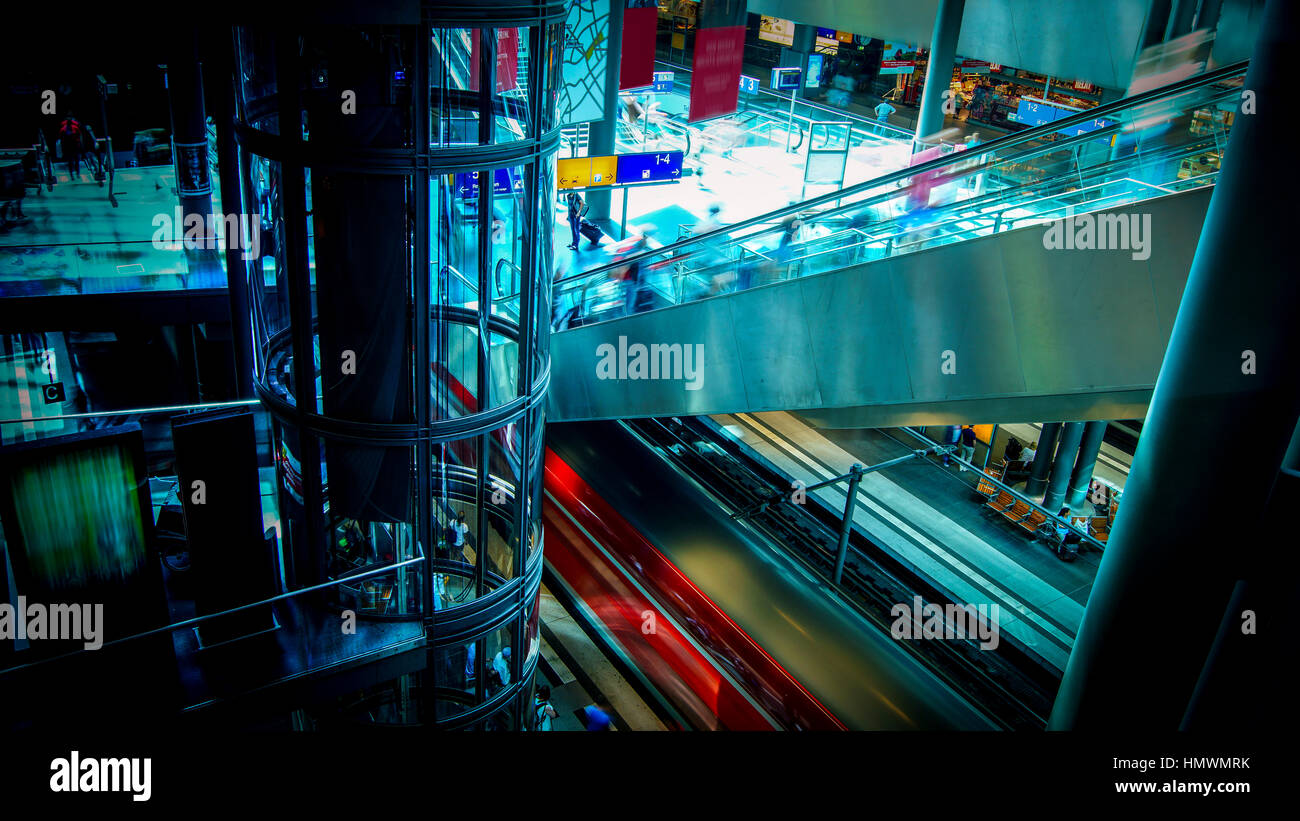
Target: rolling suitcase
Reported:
[(591, 231)]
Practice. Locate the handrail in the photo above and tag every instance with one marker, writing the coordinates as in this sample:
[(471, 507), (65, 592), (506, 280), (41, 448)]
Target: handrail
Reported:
[(132, 412), (496, 274), (378, 571), (982, 150), (886, 231)]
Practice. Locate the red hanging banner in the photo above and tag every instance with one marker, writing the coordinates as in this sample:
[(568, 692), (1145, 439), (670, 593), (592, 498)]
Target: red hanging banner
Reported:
[(715, 75), (636, 68), (715, 68), (507, 59)]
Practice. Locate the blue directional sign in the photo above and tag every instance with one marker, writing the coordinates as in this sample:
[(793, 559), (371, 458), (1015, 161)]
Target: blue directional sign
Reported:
[(748, 85), (786, 79), (663, 82), (1035, 112), (503, 182), (659, 166)]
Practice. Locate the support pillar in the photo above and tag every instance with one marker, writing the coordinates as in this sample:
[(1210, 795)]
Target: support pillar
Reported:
[(1059, 480), (600, 139), (938, 77), (1081, 478), (189, 132), (1163, 566), (1042, 459)]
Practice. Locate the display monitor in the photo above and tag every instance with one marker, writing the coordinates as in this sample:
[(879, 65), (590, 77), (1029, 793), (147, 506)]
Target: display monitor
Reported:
[(78, 529)]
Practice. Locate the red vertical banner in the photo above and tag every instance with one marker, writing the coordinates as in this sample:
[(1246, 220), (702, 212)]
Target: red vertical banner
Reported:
[(715, 72), (636, 68), (507, 70)]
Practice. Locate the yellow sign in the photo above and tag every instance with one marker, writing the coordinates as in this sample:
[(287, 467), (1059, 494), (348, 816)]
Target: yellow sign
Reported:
[(585, 172)]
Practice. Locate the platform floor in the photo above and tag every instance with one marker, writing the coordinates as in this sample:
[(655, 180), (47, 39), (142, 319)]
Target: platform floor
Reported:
[(577, 671), (929, 520)]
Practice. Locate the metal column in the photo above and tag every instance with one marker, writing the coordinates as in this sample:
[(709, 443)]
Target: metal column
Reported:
[(850, 504), (1081, 478), (600, 139), (1042, 459), (1166, 578), (938, 76), (1059, 480)]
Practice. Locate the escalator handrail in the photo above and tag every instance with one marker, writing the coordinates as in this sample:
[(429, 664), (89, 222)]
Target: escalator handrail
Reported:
[(996, 208), (967, 156)]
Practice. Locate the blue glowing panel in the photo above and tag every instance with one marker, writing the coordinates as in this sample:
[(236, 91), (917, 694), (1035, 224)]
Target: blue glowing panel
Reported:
[(660, 166), (785, 79), (503, 182)]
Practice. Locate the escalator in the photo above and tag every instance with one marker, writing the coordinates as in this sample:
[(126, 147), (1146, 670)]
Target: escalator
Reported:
[(950, 290)]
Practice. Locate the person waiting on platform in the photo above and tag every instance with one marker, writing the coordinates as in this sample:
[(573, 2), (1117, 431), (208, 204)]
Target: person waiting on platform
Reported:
[(967, 445), (1028, 454), (1099, 496), (1013, 451), (1067, 547), (543, 712)]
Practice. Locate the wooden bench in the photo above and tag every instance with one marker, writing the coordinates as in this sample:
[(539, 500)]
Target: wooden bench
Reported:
[(1033, 521), (1002, 502)]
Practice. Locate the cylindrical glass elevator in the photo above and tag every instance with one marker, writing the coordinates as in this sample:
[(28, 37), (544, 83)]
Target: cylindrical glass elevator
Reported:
[(403, 176)]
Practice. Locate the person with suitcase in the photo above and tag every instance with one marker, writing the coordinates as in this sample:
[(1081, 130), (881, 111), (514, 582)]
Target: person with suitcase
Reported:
[(576, 209)]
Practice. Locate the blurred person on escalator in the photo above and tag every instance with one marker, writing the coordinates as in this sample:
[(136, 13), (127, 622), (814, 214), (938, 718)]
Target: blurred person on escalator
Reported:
[(711, 258)]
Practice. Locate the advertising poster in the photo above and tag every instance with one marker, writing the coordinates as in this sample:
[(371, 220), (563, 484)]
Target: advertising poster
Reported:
[(776, 30), (586, 47), (637, 67), (719, 51)]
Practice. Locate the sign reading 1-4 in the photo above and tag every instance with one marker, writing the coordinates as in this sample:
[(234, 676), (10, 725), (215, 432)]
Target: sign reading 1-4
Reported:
[(663, 82), (503, 182)]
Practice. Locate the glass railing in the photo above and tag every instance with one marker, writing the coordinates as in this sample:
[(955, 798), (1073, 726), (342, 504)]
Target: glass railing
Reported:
[(1153, 144)]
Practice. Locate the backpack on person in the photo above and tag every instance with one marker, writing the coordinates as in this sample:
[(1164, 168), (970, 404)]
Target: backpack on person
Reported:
[(70, 129)]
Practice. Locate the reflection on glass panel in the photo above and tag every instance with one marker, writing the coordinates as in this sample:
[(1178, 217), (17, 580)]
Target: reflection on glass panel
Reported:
[(256, 100), (502, 496), (453, 106)]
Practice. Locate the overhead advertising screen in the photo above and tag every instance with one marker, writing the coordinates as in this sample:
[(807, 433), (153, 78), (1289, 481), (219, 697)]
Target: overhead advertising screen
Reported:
[(844, 37), (661, 166), (826, 45), (776, 30)]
